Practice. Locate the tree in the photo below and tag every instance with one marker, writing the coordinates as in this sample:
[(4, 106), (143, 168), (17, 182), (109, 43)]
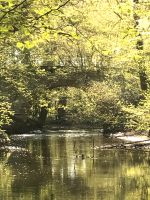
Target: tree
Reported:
[(49, 48)]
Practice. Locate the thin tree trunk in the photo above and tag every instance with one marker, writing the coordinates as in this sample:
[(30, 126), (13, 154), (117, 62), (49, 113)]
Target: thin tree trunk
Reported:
[(140, 46), (42, 117)]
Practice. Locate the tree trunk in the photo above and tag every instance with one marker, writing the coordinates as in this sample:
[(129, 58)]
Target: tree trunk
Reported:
[(140, 46), (42, 117)]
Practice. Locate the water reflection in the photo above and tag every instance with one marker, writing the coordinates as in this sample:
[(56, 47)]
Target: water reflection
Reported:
[(65, 167)]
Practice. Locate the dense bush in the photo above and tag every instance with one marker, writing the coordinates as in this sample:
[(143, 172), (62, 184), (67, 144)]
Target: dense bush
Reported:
[(5, 112), (97, 105), (139, 117)]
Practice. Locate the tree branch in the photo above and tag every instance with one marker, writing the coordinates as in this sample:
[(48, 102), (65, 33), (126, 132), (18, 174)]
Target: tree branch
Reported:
[(54, 9), (118, 15), (12, 9)]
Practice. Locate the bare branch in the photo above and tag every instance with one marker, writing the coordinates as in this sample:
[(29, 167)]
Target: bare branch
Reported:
[(118, 15)]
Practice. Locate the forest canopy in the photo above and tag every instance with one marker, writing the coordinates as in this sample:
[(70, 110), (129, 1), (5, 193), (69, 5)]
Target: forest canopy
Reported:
[(76, 62)]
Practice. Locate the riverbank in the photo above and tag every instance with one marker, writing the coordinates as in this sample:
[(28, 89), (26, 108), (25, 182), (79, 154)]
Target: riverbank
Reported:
[(4, 139), (131, 136), (130, 140)]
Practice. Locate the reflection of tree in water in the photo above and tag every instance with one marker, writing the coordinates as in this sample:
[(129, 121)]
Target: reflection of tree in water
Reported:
[(50, 171), (32, 171), (27, 173), (65, 183), (132, 179), (144, 189), (46, 152), (42, 176)]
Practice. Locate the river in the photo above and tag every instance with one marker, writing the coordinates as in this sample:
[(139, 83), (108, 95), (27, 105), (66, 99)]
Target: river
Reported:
[(63, 165)]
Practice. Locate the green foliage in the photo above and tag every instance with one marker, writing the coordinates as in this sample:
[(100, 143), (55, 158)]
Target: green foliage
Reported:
[(6, 112), (55, 48), (139, 117), (99, 104)]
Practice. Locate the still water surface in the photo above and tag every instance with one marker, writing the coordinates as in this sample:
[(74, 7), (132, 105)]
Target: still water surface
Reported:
[(64, 166)]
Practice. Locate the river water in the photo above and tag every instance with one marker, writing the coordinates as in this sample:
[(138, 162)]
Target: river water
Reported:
[(63, 165)]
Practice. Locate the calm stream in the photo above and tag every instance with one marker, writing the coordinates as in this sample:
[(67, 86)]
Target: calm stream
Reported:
[(62, 165)]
